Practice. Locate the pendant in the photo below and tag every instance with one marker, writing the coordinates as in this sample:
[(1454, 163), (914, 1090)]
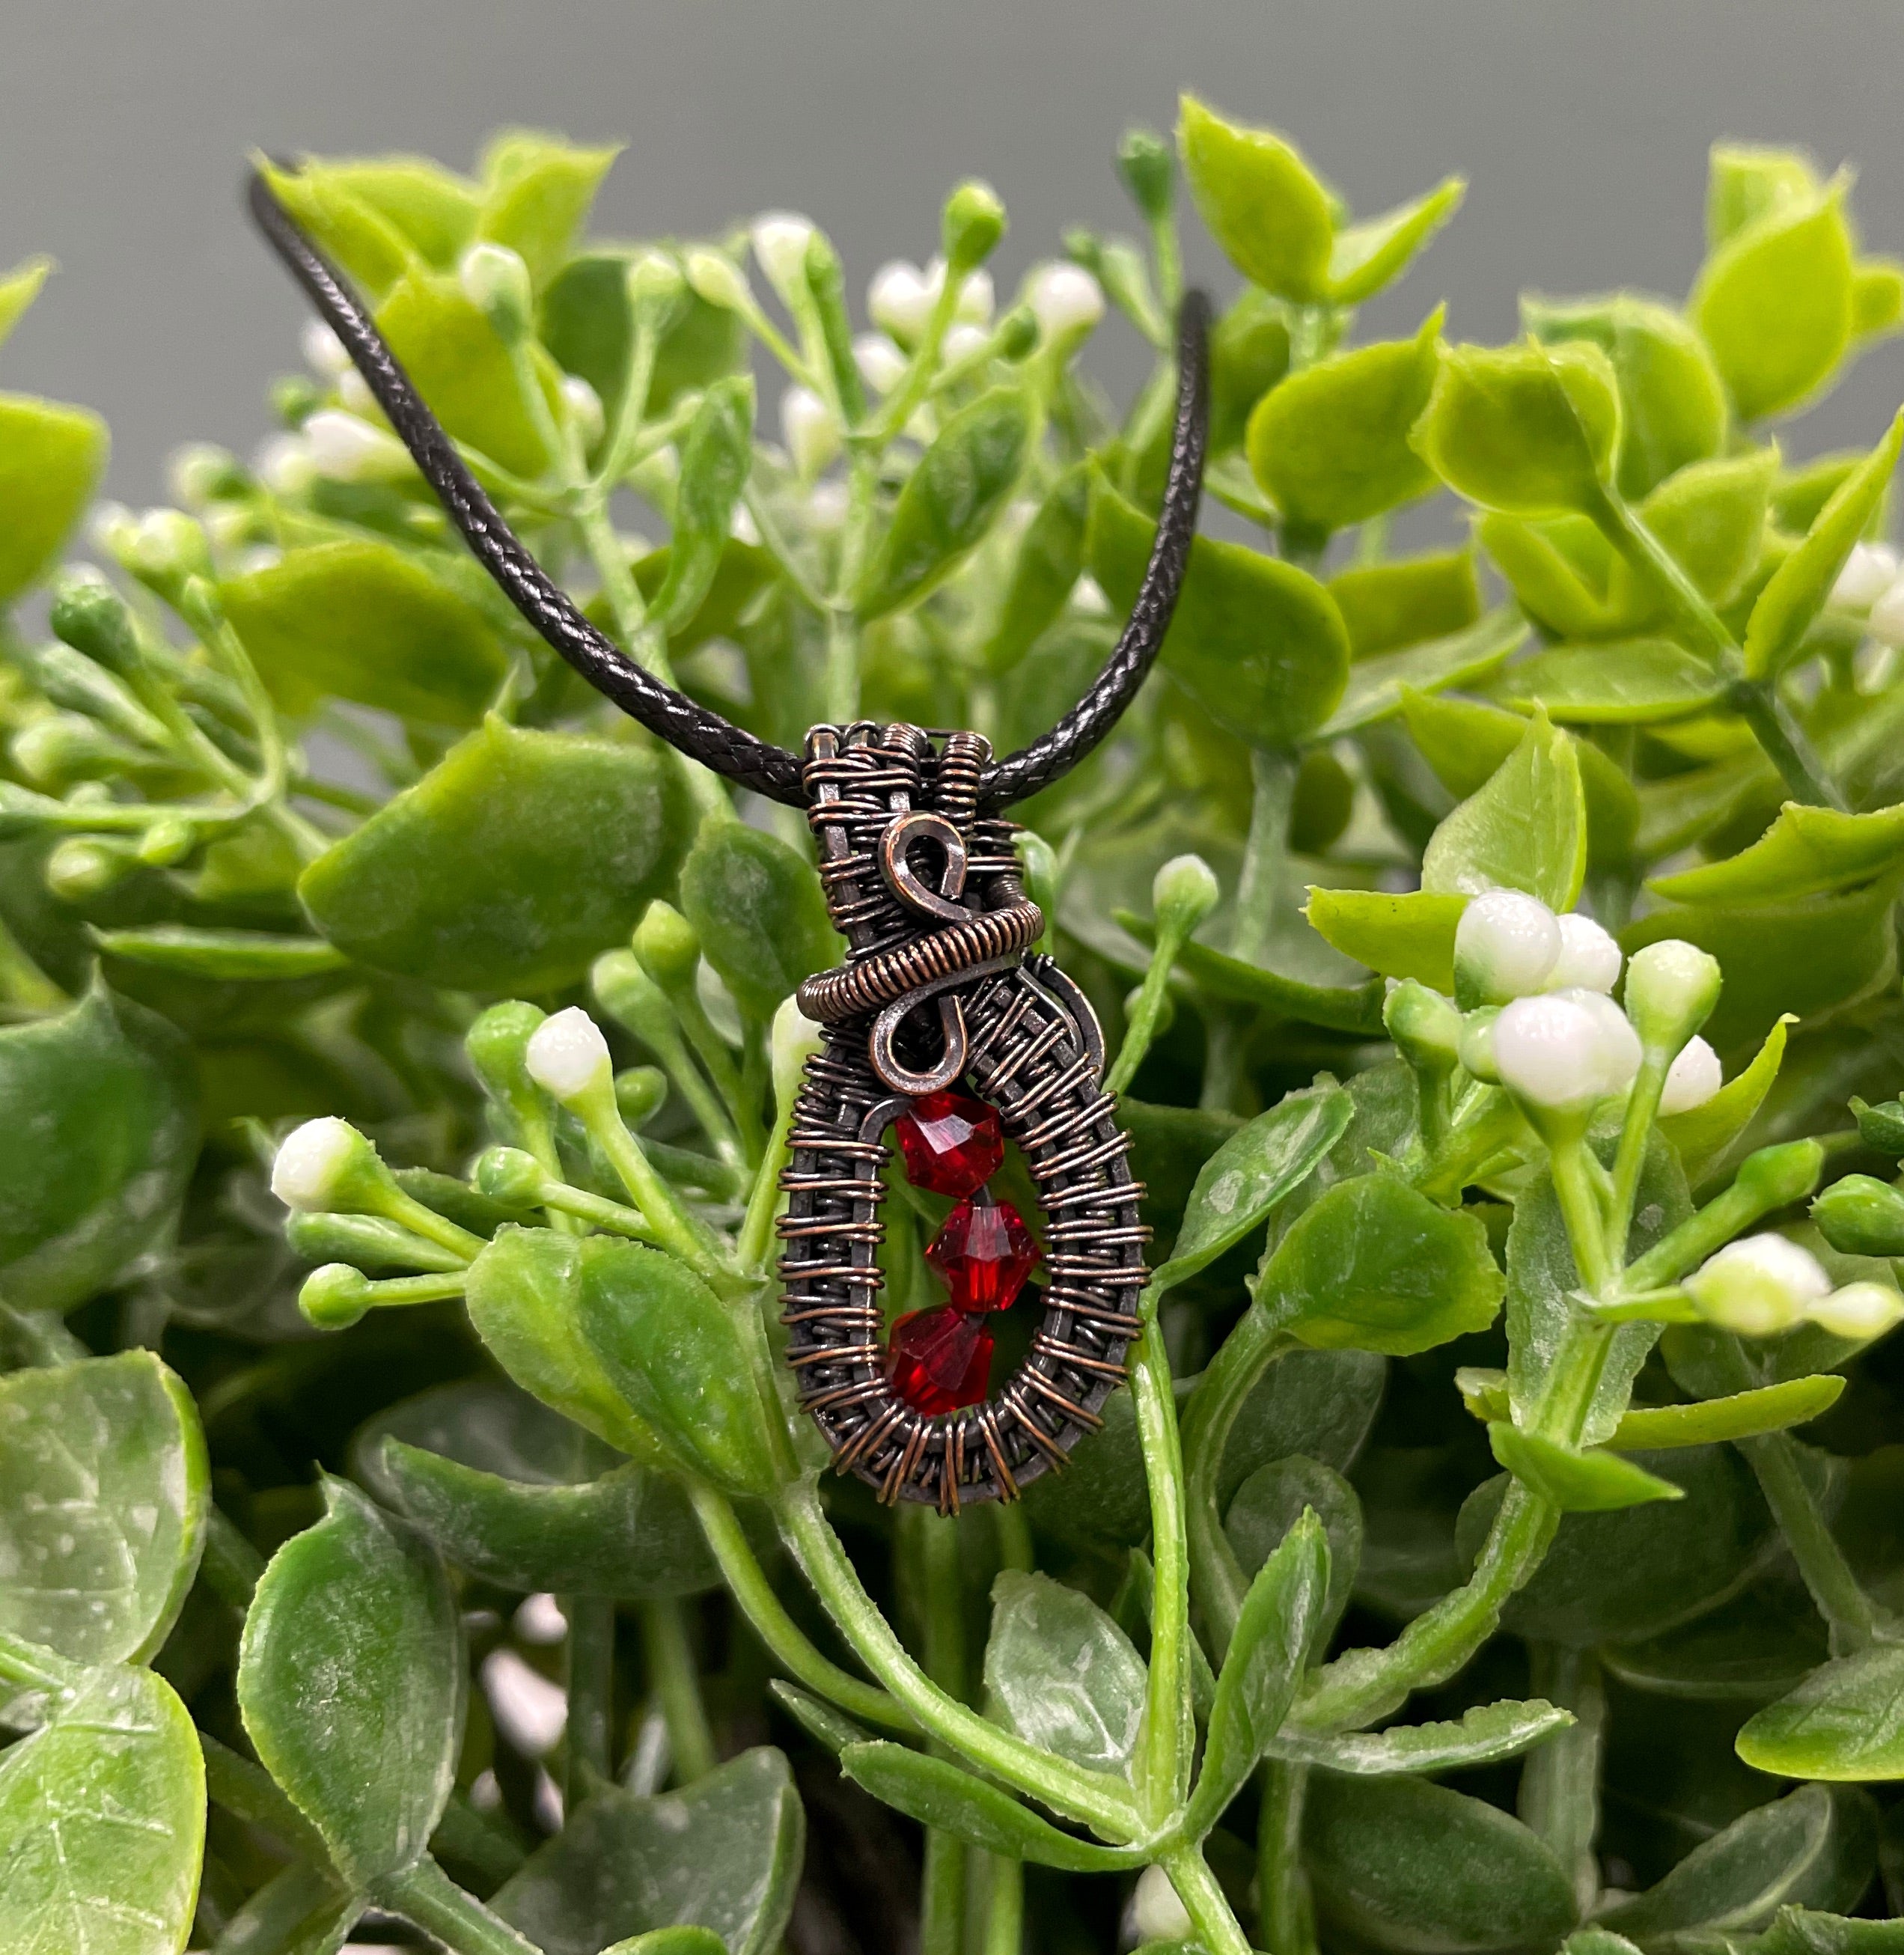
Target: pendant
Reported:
[(943, 1029)]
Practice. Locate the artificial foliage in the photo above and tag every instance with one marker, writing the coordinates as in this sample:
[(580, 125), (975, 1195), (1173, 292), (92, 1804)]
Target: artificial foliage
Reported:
[(406, 1528)]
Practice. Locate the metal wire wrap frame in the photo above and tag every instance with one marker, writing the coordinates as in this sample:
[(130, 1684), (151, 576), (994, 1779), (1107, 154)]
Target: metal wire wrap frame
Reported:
[(690, 728)]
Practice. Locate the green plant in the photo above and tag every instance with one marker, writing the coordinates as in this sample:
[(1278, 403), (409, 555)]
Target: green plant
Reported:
[(1460, 1435)]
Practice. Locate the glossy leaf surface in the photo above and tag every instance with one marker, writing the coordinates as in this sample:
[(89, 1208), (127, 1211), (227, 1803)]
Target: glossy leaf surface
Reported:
[(757, 908), (1063, 1675)]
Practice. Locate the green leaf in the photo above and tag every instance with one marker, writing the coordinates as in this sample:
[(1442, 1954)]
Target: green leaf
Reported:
[(1703, 1134), (1365, 257), (18, 289), (1415, 1867), (509, 1490), (1577, 1482), (1815, 1847), (1635, 683), (221, 956), (432, 208), (1766, 1408), (537, 193), (99, 1132), (1672, 403), (1560, 570), (938, 1793), (102, 1821), (1802, 957), (1375, 1265), (1637, 1571), (716, 453), (671, 1941), (1773, 302), (1355, 1008), (350, 1680), (1756, 1646), (509, 866), (1526, 429), (1542, 1277), (363, 621), (1410, 936), (673, 1352), (1050, 556), (373, 249), (1267, 1650), (1711, 518), (1807, 852), (759, 913), (1483, 1736), (1251, 1173), (820, 1719), (450, 350), (1270, 1501), (1797, 589), (1258, 643), (1249, 353), (1381, 685), (1386, 606), (1745, 181), (52, 457), (1263, 204), (1525, 829), (950, 501), (1063, 1675), (104, 1489), (1877, 297), (1330, 445), (1845, 1721), (723, 1854), (524, 1299)]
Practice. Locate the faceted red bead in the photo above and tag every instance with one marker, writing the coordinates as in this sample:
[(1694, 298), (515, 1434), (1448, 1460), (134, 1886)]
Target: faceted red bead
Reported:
[(940, 1359), (951, 1143), (984, 1252)]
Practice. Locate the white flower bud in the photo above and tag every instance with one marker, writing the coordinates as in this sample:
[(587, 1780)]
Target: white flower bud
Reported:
[(780, 240), (811, 433), (201, 473), (1692, 1079), (323, 350), (584, 408), (899, 300), (354, 396), (1065, 300), (160, 546), (316, 1163), (343, 448), (531, 1712), (1507, 946), (1671, 988), (1088, 595), (260, 556), (1886, 619), (1758, 1286), (742, 528), (284, 465), (1869, 571), (1564, 1050), (652, 278), (496, 282), (794, 1040), (881, 363), (1620, 1044), (1590, 959), (1183, 893), (963, 341), (976, 296), (715, 278), (1156, 1914), (1860, 1311), (568, 1057), (827, 505)]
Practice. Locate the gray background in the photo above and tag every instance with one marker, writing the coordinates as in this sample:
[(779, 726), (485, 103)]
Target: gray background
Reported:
[(1583, 130)]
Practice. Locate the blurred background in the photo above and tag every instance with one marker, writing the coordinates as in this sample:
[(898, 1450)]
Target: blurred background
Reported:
[(1583, 130)]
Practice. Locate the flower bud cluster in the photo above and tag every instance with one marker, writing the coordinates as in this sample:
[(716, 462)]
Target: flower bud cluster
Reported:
[(1762, 1284), (1870, 582)]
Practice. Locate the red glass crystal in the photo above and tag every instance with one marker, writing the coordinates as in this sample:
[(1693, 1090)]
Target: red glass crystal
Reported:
[(940, 1359), (950, 1142), (984, 1252)]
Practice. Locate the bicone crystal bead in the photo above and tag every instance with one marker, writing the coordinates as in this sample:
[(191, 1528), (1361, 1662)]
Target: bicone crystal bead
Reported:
[(984, 1252), (940, 1359), (950, 1142)]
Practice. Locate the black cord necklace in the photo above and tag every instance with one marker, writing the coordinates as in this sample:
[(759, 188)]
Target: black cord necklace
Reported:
[(938, 992)]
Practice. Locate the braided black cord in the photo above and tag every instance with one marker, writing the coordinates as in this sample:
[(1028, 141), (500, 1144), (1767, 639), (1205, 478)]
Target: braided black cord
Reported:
[(691, 729)]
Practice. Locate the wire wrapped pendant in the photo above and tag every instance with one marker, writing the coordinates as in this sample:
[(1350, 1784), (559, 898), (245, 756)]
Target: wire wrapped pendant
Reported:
[(939, 991)]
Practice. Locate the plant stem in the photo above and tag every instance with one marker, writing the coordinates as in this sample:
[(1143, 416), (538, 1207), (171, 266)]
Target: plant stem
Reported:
[(1841, 1600), (1581, 1211), (1169, 1736), (591, 1695), (1147, 1011), (1004, 1907), (675, 1681), (1560, 1791), (290, 1901), (1272, 779), (1636, 1130), (1282, 1902), (934, 1543), (786, 1642), (1205, 1902), (425, 1896), (1094, 1797)]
